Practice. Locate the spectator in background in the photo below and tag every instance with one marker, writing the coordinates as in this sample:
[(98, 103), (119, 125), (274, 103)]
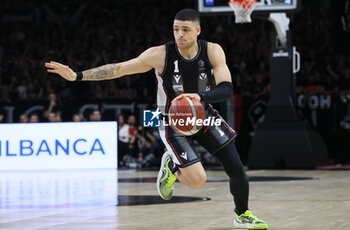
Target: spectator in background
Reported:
[(149, 147), (2, 116), (23, 118), (95, 115), (33, 90), (52, 117), (53, 106), (143, 141), (34, 118), (77, 117), (132, 135), (132, 124), (58, 117), (22, 89), (123, 139)]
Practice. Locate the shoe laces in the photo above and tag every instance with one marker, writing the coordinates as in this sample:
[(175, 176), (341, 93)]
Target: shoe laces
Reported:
[(249, 215), (170, 179)]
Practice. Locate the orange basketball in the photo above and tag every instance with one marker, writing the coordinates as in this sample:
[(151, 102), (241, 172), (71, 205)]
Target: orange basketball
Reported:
[(186, 116)]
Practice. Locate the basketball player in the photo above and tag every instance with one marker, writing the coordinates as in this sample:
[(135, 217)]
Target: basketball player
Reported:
[(186, 67)]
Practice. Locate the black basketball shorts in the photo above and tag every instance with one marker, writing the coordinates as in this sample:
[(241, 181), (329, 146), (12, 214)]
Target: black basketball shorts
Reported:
[(212, 138)]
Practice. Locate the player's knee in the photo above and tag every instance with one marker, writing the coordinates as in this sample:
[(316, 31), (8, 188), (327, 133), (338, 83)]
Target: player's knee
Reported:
[(237, 171), (198, 180)]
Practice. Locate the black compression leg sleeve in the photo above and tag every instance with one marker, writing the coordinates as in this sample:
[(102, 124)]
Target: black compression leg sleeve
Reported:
[(239, 186)]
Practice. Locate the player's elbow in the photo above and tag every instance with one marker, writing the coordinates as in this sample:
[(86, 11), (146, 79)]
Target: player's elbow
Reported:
[(229, 89)]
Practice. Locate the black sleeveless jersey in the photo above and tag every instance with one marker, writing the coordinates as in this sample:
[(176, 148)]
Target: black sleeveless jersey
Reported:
[(183, 76)]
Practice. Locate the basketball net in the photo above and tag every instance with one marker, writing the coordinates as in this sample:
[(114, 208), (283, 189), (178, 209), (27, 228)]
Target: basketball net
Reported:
[(242, 9)]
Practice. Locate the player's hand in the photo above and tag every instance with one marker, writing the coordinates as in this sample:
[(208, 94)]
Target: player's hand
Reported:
[(190, 95), (63, 70)]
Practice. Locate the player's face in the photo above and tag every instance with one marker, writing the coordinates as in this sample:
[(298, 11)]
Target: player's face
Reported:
[(185, 33)]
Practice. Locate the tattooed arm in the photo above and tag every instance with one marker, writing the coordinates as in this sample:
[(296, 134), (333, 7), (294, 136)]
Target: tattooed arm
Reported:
[(151, 58), (104, 72)]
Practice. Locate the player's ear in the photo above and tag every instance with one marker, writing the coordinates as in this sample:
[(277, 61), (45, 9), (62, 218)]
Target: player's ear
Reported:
[(198, 29)]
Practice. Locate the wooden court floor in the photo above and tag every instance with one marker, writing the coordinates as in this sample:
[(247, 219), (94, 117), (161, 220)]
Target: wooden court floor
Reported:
[(287, 199)]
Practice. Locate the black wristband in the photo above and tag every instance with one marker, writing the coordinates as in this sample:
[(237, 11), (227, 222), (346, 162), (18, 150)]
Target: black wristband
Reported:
[(79, 76)]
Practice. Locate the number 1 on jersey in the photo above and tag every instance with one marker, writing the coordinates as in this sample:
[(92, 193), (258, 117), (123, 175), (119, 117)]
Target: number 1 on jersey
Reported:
[(176, 68)]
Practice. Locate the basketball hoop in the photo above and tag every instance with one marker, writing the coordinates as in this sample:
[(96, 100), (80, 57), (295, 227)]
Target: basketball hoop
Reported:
[(242, 9)]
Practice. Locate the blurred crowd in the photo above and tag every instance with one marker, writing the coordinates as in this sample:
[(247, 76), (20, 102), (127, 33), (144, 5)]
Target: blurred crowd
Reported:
[(106, 33), (86, 34)]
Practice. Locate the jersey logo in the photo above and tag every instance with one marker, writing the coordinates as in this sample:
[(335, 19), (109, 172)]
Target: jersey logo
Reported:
[(201, 66), (207, 88), (178, 88), (177, 78), (184, 155), (203, 76), (201, 63)]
